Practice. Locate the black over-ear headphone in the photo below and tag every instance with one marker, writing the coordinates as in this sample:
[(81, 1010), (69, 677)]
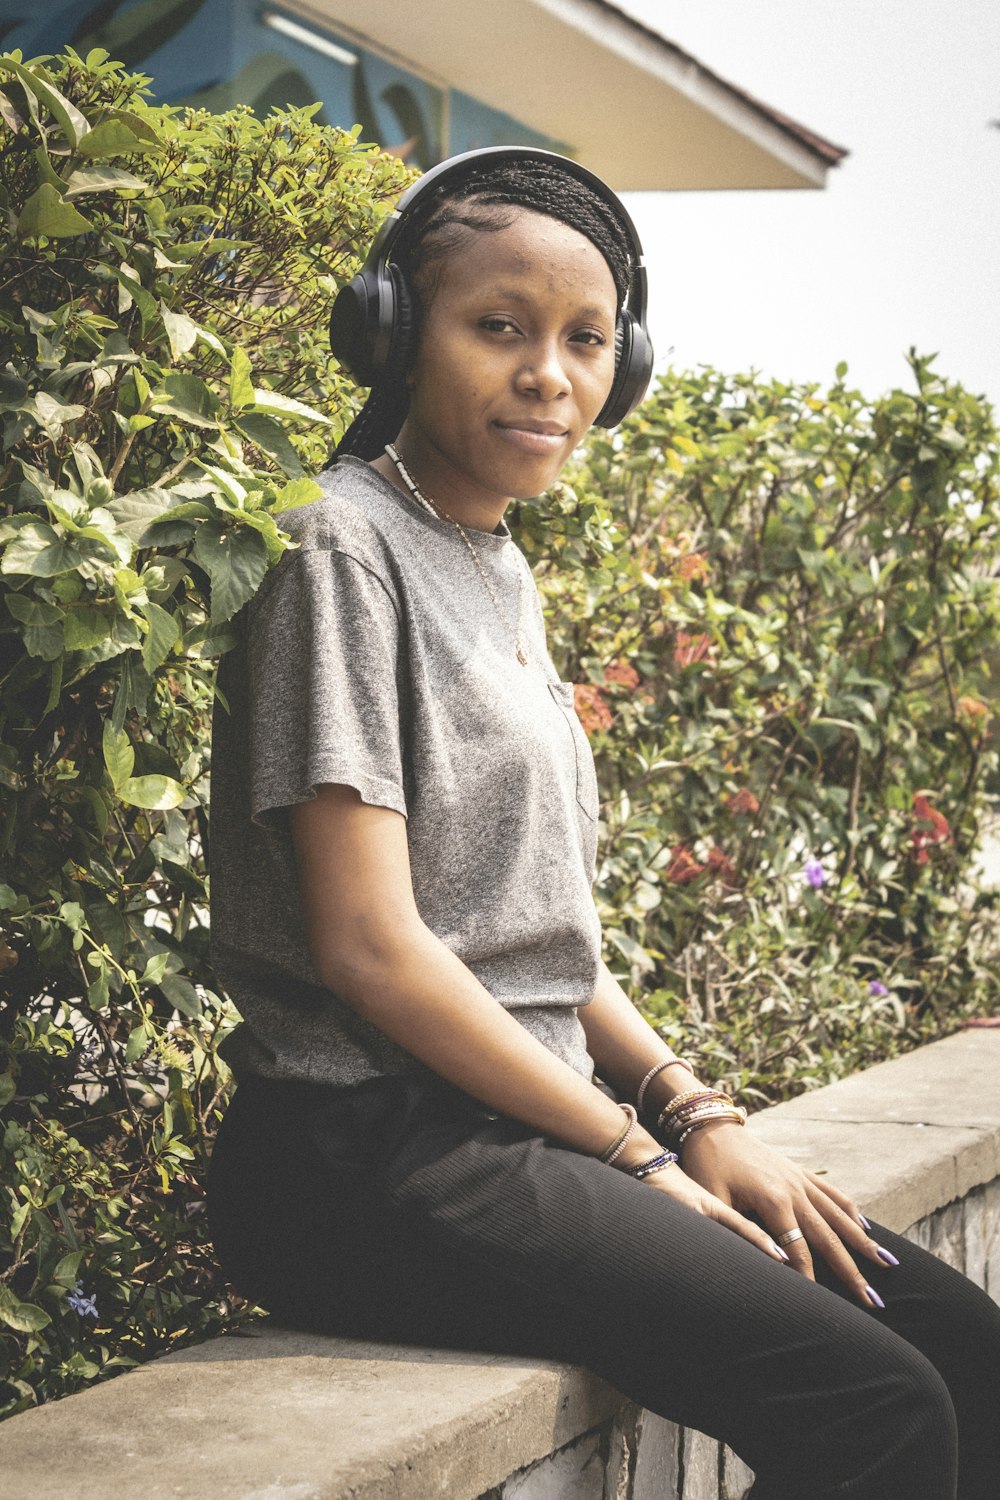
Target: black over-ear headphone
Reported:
[(371, 324)]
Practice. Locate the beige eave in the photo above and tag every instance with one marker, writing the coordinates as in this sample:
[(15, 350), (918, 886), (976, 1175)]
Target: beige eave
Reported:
[(629, 104)]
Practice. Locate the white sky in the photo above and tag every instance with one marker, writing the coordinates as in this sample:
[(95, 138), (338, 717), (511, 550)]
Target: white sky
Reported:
[(903, 245)]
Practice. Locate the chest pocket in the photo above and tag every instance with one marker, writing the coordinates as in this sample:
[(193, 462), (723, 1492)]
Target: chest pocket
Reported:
[(586, 776)]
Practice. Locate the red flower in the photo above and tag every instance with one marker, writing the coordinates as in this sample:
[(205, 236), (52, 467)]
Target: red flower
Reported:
[(683, 867), (623, 672), (742, 801), (932, 827), (692, 648), (590, 706), (974, 712), (720, 864), (694, 565)]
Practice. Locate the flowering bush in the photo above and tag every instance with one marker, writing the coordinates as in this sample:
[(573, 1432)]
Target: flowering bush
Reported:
[(804, 584)]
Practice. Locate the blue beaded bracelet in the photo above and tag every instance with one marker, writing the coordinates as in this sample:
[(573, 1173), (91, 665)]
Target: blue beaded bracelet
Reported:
[(647, 1168)]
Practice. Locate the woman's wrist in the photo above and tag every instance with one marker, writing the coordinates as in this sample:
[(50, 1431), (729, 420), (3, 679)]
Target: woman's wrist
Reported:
[(667, 1085)]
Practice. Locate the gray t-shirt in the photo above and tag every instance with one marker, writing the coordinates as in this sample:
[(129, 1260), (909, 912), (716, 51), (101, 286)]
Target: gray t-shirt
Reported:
[(373, 655)]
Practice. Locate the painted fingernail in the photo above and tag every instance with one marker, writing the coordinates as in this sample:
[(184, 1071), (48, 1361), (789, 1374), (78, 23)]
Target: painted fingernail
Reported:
[(778, 1251), (889, 1259), (874, 1297), (864, 1221)]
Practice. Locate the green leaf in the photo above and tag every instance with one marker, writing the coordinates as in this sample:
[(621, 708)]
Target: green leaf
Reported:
[(285, 406), (267, 434), (119, 756), (187, 397), (8, 1089), (23, 1317), (155, 969), (241, 392), (47, 213), (137, 1043), (115, 137), (40, 551), (156, 793), (42, 623), (235, 561), (161, 637), (67, 1270), (74, 125), (86, 626), (299, 492), (181, 331), (101, 180), (135, 512), (99, 991)]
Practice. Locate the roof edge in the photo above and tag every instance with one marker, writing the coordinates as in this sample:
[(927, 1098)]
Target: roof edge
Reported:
[(825, 151)]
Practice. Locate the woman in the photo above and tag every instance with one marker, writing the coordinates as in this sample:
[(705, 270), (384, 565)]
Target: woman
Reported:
[(404, 834)]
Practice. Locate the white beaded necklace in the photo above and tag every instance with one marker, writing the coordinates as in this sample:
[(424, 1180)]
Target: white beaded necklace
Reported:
[(435, 510)]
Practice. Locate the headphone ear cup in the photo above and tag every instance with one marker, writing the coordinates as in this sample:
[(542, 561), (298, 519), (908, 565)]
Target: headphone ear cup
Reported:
[(633, 368), (401, 346)]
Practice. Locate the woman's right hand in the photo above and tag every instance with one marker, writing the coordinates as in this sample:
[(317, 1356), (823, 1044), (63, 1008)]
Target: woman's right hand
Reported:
[(675, 1182)]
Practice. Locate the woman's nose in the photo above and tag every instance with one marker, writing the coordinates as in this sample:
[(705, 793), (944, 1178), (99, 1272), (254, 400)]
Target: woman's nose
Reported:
[(543, 371)]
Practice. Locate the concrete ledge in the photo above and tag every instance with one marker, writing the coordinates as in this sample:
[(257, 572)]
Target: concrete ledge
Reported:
[(277, 1415), (904, 1137), (280, 1415)]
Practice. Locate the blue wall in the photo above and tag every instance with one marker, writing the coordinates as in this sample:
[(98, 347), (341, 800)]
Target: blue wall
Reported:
[(216, 53)]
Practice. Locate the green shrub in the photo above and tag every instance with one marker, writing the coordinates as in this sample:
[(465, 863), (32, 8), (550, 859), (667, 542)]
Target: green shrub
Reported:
[(165, 390), (777, 604)]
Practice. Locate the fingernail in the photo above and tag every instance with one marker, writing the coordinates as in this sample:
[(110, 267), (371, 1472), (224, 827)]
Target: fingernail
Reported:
[(864, 1221), (890, 1260), (873, 1296), (778, 1251)]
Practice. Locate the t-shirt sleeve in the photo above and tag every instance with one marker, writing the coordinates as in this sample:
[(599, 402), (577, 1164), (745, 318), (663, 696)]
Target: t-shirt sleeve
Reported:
[(323, 646)]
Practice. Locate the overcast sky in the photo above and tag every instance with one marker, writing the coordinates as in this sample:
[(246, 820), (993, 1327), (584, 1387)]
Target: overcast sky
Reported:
[(903, 245)]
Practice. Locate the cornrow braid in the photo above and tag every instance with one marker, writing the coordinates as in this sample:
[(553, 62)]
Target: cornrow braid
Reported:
[(486, 197), (439, 222)]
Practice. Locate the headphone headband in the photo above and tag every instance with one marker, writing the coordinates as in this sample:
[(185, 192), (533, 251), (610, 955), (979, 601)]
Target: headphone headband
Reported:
[(372, 315)]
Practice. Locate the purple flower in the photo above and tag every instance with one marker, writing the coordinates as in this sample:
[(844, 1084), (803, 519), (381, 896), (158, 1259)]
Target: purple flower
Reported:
[(814, 873), (85, 1306), (877, 989)]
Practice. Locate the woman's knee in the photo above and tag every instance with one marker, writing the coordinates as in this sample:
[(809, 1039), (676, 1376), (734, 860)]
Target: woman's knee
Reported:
[(889, 1434)]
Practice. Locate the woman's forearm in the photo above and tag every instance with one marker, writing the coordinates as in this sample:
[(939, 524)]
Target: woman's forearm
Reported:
[(624, 1046), (421, 995)]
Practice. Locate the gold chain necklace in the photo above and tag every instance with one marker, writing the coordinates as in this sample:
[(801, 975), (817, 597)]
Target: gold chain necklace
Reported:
[(435, 510)]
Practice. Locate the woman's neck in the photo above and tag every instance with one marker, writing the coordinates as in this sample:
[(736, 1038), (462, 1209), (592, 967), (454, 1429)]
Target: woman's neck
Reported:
[(450, 492)]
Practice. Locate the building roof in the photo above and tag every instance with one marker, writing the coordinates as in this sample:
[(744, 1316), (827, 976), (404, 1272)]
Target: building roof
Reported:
[(628, 103)]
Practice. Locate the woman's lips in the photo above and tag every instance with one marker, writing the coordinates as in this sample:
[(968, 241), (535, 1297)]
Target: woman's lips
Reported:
[(530, 439)]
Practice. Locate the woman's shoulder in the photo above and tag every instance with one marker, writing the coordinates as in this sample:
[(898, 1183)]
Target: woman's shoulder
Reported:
[(351, 514)]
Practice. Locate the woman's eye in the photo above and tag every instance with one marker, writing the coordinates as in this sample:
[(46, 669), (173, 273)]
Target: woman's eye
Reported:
[(589, 336), (499, 325)]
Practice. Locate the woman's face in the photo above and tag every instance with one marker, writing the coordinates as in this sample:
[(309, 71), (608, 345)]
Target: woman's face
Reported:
[(516, 359)]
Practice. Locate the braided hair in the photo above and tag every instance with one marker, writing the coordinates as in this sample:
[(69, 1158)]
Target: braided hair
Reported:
[(486, 197)]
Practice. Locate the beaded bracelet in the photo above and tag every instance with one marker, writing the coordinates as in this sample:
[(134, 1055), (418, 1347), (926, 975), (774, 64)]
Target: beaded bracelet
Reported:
[(704, 1112), (655, 1164), (677, 1119), (681, 1062), (683, 1101), (620, 1142)]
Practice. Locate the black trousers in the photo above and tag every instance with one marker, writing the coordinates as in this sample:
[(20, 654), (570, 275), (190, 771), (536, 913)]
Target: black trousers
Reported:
[(402, 1210)]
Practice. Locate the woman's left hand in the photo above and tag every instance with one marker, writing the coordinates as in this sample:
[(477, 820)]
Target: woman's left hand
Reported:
[(729, 1162)]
